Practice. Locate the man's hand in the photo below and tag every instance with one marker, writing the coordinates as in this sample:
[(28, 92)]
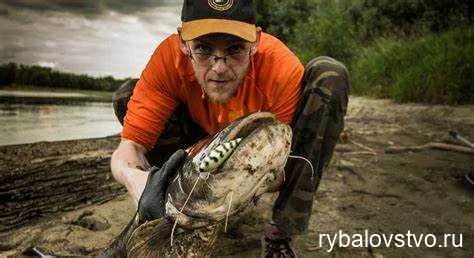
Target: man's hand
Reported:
[(152, 202), (129, 165)]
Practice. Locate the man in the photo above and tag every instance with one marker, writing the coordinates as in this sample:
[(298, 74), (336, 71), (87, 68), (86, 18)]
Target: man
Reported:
[(219, 67)]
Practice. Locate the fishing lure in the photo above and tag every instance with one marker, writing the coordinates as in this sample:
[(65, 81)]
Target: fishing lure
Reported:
[(218, 155)]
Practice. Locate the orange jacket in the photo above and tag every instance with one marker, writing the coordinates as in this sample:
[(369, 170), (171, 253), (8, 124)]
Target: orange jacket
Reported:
[(271, 84)]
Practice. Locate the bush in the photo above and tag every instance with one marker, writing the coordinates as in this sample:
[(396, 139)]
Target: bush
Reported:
[(432, 69), (326, 32), (278, 17), (375, 18)]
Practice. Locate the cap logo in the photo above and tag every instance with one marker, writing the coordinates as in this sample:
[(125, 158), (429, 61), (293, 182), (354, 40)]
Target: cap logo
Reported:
[(220, 5)]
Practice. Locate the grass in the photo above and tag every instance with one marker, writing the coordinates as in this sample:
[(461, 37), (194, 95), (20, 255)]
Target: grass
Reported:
[(405, 50), (431, 69)]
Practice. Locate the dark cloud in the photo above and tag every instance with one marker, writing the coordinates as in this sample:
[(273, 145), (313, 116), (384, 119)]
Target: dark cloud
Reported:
[(86, 7), (127, 6), (9, 51), (4, 11), (114, 43), (79, 6)]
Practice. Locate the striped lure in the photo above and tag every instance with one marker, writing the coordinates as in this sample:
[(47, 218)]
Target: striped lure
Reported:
[(218, 155)]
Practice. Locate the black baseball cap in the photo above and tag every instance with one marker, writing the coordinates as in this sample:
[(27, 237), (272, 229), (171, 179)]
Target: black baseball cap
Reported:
[(235, 17)]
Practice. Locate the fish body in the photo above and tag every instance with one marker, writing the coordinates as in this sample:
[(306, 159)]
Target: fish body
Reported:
[(201, 197)]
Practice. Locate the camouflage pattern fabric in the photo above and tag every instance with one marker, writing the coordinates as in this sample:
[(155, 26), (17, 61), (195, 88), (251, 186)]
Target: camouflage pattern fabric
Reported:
[(121, 97), (316, 129)]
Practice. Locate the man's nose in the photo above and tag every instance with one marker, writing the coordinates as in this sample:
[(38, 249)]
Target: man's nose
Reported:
[(219, 65)]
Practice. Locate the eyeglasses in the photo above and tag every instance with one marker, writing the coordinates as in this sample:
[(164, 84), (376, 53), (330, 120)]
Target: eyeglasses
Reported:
[(207, 59)]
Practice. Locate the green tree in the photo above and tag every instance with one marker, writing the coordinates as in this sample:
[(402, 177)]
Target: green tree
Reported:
[(8, 73), (278, 17)]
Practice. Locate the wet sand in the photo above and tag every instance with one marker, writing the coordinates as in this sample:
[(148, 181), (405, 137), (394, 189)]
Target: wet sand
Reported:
[(364, 188)]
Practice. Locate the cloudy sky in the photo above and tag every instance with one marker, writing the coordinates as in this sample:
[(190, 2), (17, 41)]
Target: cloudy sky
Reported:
[(95, 37)]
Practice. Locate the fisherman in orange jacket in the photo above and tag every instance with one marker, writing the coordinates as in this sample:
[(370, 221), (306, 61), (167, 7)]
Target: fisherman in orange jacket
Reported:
[(219, 67)]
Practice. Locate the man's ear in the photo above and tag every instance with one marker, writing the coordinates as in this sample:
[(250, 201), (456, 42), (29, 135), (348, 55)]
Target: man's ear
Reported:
[(257, 41), (182, 43)]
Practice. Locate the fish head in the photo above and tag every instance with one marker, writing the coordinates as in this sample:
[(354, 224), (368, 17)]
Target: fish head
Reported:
[(253, 167)]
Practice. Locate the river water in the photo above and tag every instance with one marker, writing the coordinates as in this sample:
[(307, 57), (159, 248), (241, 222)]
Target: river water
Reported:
[(27, 123)]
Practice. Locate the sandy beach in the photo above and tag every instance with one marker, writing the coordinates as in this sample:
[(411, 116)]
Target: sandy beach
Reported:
[(61, 197)]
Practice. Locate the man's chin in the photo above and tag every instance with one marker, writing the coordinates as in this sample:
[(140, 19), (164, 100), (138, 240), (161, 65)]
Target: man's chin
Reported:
[(217, 98)]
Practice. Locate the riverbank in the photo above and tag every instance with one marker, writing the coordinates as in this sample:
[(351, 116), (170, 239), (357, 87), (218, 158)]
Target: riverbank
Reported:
[(42, 95), (423, 192)]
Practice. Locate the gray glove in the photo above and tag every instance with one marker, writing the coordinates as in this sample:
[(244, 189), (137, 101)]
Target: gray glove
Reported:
[(151, 205)]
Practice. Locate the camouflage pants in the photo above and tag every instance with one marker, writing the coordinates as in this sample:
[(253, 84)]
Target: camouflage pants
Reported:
[(316, 127)]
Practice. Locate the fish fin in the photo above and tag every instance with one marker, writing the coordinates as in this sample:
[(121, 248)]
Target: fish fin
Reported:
[(150, 238), (118, 247)]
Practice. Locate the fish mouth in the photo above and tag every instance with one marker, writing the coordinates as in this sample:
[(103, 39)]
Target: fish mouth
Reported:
[(240, 128), (221, 204), (195, 199), (251, 123)]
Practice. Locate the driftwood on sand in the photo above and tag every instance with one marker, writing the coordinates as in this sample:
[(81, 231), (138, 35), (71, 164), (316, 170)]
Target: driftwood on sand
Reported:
[(39, 179), (353, 147), (57, 185), (431, 145)]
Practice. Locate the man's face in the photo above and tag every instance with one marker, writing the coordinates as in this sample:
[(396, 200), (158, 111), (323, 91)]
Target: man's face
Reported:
[(220, 63)]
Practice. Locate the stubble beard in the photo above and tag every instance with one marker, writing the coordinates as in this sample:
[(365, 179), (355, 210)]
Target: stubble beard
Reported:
[(221, 97)]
